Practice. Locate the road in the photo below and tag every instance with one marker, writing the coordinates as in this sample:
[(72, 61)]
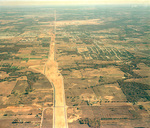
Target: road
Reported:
[(56, 79)]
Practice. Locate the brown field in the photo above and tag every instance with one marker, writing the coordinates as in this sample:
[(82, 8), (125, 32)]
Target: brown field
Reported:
[(7, 87), (92, 63), (48, 118)]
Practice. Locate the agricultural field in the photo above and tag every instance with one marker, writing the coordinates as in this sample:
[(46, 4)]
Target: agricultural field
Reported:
[(25, 91), (105, 65), (102, 54)]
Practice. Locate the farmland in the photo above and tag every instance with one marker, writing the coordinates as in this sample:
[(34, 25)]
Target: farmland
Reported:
[(102, 53)]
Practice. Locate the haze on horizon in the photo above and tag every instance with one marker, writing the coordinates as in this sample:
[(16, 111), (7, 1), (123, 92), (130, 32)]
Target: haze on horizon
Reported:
[(71, 2)]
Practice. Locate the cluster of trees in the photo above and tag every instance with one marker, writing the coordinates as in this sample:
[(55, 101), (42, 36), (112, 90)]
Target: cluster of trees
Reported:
[(9, 49), (95, 66), (45, 44), (5, 56), (19, 121), (65, 39), (8, 79), (31, 76), (134, 91), (101, 79), (95, 123), (9, 69), (86, 41), (113, 118), (13, 49), (129, 69)]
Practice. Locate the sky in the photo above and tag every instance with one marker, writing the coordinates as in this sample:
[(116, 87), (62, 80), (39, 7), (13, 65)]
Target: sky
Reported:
[(71, 2)]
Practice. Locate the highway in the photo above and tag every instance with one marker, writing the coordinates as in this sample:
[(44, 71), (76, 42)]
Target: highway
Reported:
[(56, 79)]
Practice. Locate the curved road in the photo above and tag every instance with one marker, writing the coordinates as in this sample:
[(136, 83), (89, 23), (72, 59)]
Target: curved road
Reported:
[(56, 79)]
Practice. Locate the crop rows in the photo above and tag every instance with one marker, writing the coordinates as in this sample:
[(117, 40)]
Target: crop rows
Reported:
[(107, 53)]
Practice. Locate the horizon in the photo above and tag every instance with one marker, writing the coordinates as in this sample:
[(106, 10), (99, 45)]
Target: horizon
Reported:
[(72, 2)]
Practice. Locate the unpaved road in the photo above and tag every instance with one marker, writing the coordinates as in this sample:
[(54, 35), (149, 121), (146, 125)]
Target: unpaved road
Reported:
[(56, 79)]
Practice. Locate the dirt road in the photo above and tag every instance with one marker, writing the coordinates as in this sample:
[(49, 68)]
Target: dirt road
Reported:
[(56, 79)]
